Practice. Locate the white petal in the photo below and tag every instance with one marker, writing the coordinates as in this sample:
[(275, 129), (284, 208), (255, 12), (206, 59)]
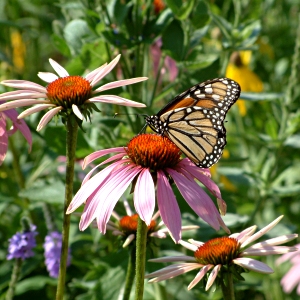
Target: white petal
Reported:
[(112, 99), (261, 232), (119, 83), (275, 241), (199, 276), (77, 112), (62, 72), (105, 70), (188, 245), (48, 116), (90, 76), (129, 239), (34, 109), (24, 84), (212, 276), (20, 103), (47, 77), (173, 258), (252, 264), (268, 251)]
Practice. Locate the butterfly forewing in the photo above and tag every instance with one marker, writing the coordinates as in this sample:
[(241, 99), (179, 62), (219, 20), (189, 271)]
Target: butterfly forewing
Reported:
[(194, 119)]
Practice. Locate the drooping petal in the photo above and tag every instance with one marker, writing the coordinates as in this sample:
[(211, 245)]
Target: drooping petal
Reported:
[(196, 243), (22, 94), (22, 126), (34, 109), (77, 112), (61, 71), (97, 154), (199, 276), (104, 71), (47, 77), (47, 117), (20, 103), (261, 232), (24, 84), (244, 235), (113, 99), (212, 276), (168, 206), (89, 187), (119, 83), (114, 194), (144, 196), (291, 279), (129, 239), (3, 139), (197, 199), (252, 264)]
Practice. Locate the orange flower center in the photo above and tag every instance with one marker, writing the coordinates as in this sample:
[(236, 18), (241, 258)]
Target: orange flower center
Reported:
[(218, 251), (153, 151), (69, 90), (129, 224)]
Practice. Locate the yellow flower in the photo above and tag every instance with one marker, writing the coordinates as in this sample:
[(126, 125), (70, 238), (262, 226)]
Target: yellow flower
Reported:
[(238, 70), (19, 50)]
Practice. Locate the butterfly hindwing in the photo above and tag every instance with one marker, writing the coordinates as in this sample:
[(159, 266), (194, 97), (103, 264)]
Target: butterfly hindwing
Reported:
[(194, 119)]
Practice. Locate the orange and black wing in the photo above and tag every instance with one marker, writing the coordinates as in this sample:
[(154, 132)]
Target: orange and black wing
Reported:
[(194, 120)]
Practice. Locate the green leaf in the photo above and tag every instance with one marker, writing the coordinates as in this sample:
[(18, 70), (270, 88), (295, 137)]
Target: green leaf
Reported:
[(120, 11), (52, 191), (250, 33), (174, 5), (260, 96), (185, 9), (293, 141), (200, 15), (75, 34), (287, 191), (34, 283), (173, 40), (200, 62), (61, 45)]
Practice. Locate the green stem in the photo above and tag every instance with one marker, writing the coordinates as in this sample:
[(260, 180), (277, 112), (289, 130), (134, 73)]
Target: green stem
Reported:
[(14, 278), (71, 140), (129, 275), (227, 289), (141, 241)]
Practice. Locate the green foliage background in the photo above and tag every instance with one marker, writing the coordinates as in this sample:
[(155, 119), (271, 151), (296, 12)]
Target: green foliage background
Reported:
[(263, 166)]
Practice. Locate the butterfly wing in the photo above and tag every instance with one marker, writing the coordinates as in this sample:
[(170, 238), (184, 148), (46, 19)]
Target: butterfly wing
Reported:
[(194, 120)]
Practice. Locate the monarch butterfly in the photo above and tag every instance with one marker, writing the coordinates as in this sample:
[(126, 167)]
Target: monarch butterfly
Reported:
[(194, 120)]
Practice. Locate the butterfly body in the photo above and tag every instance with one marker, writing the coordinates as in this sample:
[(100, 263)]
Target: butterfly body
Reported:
[(194, 120)]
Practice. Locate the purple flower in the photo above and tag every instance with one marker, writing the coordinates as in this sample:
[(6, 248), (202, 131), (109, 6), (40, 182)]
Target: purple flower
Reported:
[(21, 244), (52, 248), (17, 125)]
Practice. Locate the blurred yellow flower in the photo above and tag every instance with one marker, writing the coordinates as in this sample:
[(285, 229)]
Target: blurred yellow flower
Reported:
[(238, 70), (19, 50)]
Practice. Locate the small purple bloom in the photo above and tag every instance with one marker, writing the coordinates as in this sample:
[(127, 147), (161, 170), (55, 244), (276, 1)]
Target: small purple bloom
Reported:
[(52, 246), (21, 244)]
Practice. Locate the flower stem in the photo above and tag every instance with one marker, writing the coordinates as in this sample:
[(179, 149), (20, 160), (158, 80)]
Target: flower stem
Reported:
[(14, 279), (129, 275), (71, 140), (141, 241), (228, 289)]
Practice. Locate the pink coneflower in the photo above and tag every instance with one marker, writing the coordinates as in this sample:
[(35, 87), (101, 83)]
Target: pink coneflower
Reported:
[(224, 253), (292, 278), (5, 133), (149, 160), (65, 94), (126, 226)]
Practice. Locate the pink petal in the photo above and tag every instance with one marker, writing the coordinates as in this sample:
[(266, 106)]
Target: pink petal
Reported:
[(190, 246), (24, 84), (21, 94), (62, 72), (119, 83), (252, 264), (199, 276), (197, 199), (291, 279), (268, 250), (24, 129), (112, 99), (47, 117), (104, 71), (244, 235), (275, 241), (113, 190), (168, 206), (89, 187), (212, 276), (20, 103), (3, 139), (144, 196), (34, 109), (173, 259), (97, 154), (47, 77)]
